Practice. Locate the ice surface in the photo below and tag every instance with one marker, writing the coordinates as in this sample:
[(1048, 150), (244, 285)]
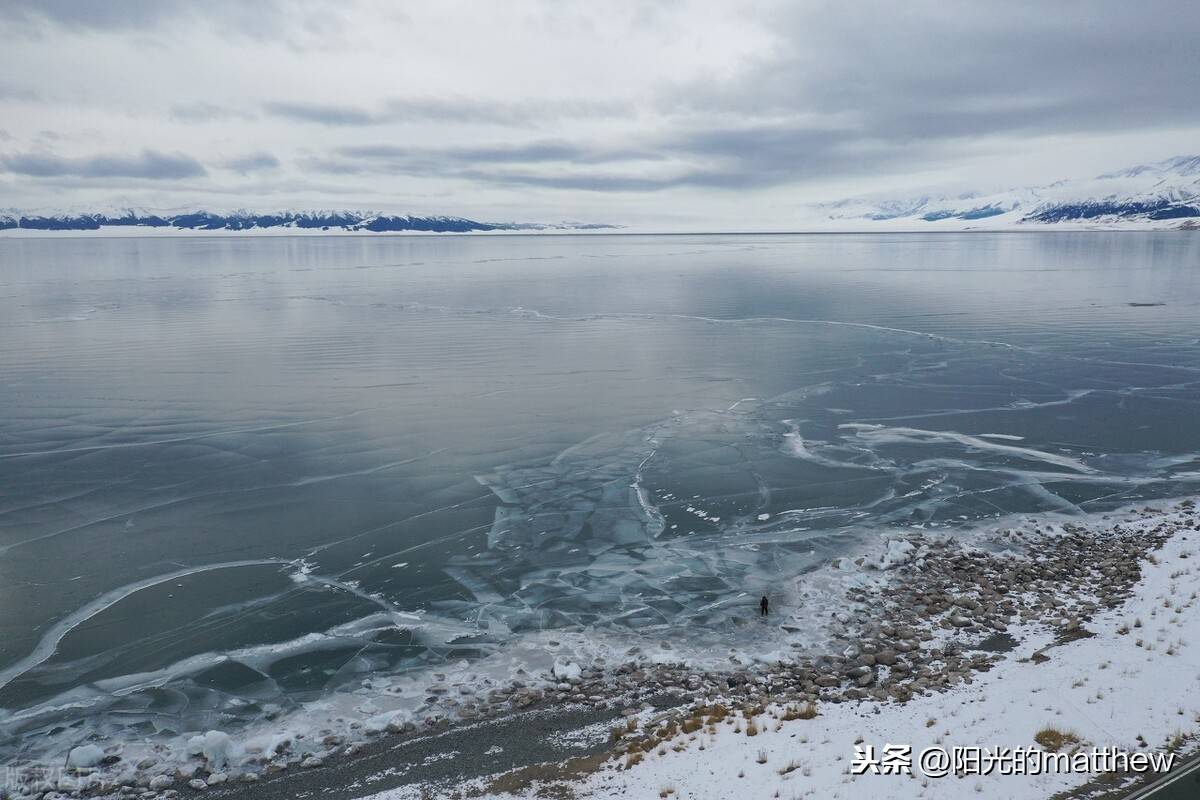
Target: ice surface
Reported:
[(279, 489)]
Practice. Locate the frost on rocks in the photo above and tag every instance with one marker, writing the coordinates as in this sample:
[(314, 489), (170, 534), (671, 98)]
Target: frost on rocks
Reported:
[(215, 746), (898, 552)]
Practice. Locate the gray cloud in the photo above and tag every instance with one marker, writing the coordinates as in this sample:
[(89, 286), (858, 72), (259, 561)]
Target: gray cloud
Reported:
[(260, 16), (746, 157), (940, 71), (324, 114), (72, 13), (444, 110), (19, 93), (299, 24), (534, 152), (205, 112), (862, 99), (587, 182), (148, 164), (253, 162)]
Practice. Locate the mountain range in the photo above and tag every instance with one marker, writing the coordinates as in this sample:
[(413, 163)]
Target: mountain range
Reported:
[(280, 221), (1160, 195), (1165, 194)]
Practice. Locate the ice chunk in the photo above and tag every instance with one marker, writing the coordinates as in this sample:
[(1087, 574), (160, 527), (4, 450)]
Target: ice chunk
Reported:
[(899, 551), (385, 721), (84, 756), (215, 746), (567, 671)]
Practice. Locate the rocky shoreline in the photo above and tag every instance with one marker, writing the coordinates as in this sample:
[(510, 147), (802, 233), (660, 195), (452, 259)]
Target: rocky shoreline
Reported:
[(940, 614)]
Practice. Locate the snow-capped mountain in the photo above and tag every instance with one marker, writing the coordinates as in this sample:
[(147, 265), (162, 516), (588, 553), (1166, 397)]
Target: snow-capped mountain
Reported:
[(280, 221), (1165, 194)]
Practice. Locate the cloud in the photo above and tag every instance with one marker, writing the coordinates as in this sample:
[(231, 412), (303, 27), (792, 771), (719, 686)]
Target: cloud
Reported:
[(588, 181), (19, 93), (71, 13), (148, 164), (124, 15), (441, 110), (734, 157), (323, 114), (205, 112), (938, 71), (253, 162), (300, 24), (538, 151)]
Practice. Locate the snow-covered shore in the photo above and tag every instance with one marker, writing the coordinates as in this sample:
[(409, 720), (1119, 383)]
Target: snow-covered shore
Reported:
[(1123, 676)]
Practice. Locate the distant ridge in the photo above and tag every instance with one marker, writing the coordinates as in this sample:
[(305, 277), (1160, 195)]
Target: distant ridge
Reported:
[(314, 221), (1165, 194)]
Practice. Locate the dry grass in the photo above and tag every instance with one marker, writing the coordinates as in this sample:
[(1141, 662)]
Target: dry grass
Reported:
[(520, 780), (807, 711), (1053, 740)]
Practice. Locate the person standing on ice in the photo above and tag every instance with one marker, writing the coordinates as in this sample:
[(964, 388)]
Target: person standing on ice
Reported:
[(763, 605)]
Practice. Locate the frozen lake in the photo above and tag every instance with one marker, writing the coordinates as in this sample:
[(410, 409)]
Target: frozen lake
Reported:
[(242, 476)]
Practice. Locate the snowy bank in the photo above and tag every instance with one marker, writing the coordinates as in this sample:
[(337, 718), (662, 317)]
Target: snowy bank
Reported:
[(1120, 674)]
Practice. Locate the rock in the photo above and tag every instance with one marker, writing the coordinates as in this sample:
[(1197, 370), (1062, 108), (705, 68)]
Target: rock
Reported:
[(217, 778), (312, 762), (160, 782), (197, 784)]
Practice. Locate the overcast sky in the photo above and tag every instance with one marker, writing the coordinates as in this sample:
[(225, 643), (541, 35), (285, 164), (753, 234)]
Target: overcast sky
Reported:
[(667, 113)]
